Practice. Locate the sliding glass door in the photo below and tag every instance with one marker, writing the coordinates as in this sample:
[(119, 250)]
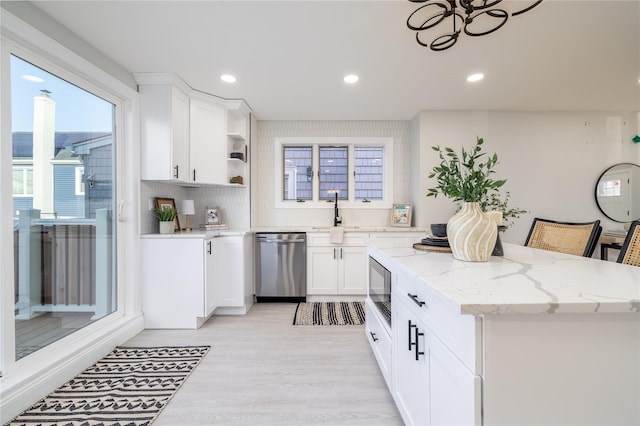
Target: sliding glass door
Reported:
[(63, 164)]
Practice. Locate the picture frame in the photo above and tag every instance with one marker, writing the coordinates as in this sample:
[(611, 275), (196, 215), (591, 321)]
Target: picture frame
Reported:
[(401, 214), (213, 216), (169, 202)]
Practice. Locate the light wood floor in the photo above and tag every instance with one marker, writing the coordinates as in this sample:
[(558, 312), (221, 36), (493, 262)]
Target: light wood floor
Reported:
[(262, 370)]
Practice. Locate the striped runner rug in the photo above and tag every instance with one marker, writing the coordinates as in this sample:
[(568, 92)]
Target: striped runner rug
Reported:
[(129, 386), (329, 313)]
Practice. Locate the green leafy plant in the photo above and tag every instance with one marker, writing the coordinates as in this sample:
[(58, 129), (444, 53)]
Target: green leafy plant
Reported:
[(165, 214), (509, 214), (465, 177)]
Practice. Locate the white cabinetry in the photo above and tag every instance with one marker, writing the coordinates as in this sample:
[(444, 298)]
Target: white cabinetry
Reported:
[(188, 137), (431, 386), (164, 127), (336, 269), (380, 341), (208, 141), (411, 373), (178, 280), (238, 135), (234, 284)]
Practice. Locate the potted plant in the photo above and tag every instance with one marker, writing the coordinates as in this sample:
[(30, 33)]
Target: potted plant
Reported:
[(494, 202), (166, 216), (467, 177)]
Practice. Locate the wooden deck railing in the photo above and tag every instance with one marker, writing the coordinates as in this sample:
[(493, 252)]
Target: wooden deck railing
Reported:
[(63, 265)]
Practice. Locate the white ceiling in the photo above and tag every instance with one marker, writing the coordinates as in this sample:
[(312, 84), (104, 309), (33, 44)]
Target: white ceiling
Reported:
[(290, 56)]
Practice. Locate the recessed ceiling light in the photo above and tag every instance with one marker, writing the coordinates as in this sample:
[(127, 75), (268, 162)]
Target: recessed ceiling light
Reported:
[(351, 78), (228, 78), (475, 77), (32, 78)]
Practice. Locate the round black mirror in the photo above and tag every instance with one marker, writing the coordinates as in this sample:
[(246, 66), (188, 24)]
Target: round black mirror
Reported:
[(618, 192)]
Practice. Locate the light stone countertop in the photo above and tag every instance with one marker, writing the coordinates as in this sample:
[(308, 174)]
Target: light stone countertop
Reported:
[(199, 233), (523, 281)]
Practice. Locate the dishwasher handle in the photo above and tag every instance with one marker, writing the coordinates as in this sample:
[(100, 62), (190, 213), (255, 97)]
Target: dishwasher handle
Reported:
[(274, 240)]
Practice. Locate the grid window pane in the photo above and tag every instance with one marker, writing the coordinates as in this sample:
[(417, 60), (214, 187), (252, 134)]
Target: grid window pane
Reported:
[(18, 181), (368, 173), (333, 172), (298, 175)]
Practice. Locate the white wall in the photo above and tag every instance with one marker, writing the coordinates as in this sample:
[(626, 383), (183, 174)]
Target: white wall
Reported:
[(263, 211), (552, 160)]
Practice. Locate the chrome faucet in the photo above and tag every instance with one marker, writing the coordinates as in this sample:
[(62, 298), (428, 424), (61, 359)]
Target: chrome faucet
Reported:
[(337, 220)]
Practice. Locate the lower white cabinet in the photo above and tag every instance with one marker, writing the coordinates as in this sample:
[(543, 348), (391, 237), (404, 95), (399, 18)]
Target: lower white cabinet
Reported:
[(234, 284), (411, 367), (379, 339), (431, 386), (178, 281), (339, 269)]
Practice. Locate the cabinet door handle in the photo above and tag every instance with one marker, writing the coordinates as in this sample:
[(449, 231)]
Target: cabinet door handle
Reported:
[(194, 175), (334, 254), (411, 344), (210, 249), (415, 299), (418, 352), (340, 252), (373, 336), (176, 173)]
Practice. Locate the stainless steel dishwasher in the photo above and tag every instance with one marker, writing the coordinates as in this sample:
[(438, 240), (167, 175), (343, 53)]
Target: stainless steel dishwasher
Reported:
[(281, 266)]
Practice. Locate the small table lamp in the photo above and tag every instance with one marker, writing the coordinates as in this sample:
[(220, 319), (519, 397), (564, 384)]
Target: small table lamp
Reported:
[(187, 208)]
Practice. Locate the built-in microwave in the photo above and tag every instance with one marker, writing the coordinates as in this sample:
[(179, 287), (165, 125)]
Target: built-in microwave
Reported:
[(380, 289)]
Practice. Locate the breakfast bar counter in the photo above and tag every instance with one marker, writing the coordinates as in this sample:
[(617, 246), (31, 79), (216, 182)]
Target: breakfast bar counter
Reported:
[(523, 281), (529, 338)]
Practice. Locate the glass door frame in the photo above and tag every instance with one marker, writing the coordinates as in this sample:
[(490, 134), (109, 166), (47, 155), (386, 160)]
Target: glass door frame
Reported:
[(44, 52)]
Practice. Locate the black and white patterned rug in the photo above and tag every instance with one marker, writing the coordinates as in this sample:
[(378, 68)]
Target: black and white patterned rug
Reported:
[(129, 386), (329, 313)]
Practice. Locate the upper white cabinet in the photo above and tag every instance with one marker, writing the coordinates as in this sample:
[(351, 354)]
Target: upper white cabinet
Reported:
[(164, 127), (208, 141), (238, 135), (189, 137)]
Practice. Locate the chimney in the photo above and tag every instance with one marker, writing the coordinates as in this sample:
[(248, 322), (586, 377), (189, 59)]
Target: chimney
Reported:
[(44, 119)]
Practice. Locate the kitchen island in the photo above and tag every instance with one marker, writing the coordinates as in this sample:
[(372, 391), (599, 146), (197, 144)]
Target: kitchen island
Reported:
[(530, 338)]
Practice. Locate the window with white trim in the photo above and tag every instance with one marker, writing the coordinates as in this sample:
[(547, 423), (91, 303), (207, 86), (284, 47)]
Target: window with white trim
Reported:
[(79, 179), (311, 170), (22, 181)]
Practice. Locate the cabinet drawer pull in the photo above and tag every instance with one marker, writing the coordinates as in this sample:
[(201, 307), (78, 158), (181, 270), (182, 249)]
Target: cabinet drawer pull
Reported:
[(411, 344), (414, 297), (418, 352), (373, 336)]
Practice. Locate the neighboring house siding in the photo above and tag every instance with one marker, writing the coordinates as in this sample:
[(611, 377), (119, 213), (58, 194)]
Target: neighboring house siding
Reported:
[(93, 150), (98, 192), (22, 203), (66, 202)]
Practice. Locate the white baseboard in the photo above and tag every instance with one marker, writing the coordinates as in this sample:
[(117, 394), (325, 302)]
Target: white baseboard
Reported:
[(28, 383)]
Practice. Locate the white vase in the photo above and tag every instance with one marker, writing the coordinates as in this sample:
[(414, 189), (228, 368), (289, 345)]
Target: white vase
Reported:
[(472, 234), (166, 227)]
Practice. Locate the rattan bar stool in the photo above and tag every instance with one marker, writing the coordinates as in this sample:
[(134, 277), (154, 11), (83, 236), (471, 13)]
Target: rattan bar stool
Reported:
[(630, 252), (579, 239)]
